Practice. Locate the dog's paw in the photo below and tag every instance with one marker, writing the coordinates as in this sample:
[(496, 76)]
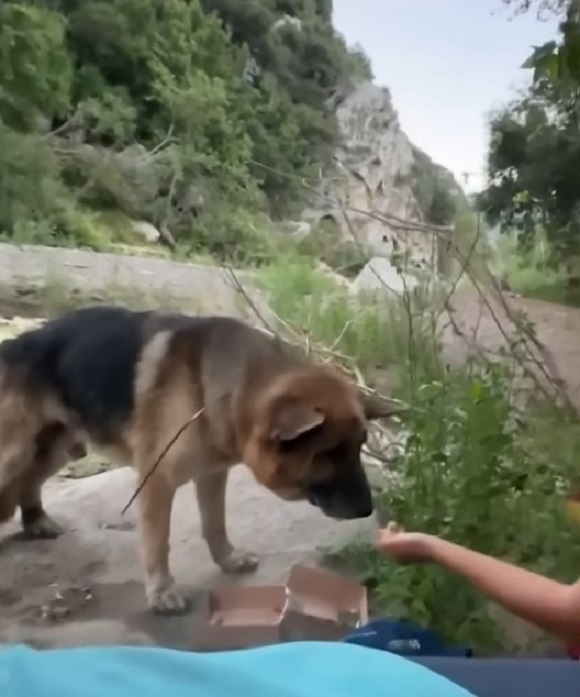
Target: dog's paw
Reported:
[(238, 562), (42, 528), (167, 601)]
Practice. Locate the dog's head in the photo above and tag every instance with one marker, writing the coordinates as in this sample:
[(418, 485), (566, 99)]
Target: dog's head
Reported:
[(305, 444)]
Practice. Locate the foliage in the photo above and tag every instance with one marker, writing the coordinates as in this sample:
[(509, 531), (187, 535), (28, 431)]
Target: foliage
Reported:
[(541, 7), (535, 149), (475, 471), (181, 112), (475, 468), (435, 189), (379, 333), (529, 271), (35, 67), (345, 257), (532, 162)]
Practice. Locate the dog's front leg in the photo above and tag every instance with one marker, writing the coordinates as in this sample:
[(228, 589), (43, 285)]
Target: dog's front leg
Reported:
[(155, 502), (211, 497)]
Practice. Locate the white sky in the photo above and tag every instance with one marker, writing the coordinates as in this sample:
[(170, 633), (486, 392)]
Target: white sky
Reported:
[(447, 63)]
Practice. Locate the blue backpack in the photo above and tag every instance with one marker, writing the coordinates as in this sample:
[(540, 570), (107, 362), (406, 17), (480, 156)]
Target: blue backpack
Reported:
[(403, 638)]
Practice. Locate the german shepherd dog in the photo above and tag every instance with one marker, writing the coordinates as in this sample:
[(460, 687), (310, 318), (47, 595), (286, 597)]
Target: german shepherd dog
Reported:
[(124, 382)]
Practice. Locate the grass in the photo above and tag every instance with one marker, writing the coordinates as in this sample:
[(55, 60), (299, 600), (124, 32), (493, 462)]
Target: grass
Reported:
[(473, 473), (379, 333), (530, 273)]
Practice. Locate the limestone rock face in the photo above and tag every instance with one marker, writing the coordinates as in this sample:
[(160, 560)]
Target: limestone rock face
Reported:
[(374, 172), (380, 274)]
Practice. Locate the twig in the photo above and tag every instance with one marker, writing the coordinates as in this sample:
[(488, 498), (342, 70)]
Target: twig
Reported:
[(160, 458)]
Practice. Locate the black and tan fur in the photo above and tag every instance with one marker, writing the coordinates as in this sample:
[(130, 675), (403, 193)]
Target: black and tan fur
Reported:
[(128, 381)]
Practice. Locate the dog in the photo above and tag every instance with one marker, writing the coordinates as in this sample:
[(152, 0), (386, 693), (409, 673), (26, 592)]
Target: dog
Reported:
[(126, 381)]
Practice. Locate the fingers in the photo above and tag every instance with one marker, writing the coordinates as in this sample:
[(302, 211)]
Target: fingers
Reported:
[(391, 529), (387, 535)]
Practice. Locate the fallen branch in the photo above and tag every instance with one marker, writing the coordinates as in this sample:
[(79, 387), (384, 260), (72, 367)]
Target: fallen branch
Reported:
[(160, 458)]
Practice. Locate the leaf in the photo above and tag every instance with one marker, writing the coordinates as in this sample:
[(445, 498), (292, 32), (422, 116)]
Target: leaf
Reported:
[(539, 54)]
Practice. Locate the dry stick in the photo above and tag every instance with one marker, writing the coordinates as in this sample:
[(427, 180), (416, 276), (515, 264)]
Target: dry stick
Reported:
[(463, 269), (406, 297), (229, 271), (160, 458), (554, 378), (323, 352), (551, 374), (397, 223), (554, 375)]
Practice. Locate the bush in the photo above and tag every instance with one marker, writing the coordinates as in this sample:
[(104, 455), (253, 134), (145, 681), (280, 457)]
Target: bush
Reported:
[(30, 189), (479, 474), (473, 469), (529, 270), (324, 243), (374, 331)]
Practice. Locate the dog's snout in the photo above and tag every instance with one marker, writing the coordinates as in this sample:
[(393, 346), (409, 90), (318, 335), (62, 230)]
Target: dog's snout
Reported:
[(343, 499), (362, 508), (365, 509)]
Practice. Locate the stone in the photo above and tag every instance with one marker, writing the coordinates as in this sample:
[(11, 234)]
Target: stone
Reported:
[(373, 176), (380, 274), (145, 230)]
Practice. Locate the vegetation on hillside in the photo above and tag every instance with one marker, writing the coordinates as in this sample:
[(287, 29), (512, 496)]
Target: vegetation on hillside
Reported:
[(196, 115)]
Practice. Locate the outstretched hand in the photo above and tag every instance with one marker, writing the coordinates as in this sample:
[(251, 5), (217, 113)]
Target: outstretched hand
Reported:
[(403, 547)]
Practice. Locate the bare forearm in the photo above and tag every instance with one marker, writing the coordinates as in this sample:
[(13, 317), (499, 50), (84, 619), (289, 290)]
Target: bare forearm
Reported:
[(548, 604)]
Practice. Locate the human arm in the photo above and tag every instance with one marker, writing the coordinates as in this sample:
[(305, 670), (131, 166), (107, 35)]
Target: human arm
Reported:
[(550, 605)]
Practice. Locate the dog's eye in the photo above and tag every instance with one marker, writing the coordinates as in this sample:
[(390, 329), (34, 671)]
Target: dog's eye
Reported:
[(344, 451)]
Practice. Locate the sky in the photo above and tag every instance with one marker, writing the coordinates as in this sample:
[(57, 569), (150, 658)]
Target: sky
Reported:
[(448, 63)]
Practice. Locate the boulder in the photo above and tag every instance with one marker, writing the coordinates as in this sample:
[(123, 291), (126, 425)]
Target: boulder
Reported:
[(145, 230), (380, 274)]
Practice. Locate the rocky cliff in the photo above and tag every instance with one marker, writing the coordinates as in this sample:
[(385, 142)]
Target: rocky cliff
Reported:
[(377, 170)]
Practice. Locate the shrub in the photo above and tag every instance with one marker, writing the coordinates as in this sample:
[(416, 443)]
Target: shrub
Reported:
[(476, 472), (474, 468), (372, 330)]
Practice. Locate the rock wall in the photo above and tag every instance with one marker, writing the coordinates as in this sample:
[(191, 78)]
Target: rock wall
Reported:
[(375, 171)]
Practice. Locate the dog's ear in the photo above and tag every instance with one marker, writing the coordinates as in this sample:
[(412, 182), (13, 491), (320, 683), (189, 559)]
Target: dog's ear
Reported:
[(377, 407), (294, 421)]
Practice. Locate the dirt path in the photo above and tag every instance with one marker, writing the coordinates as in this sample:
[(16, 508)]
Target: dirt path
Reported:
[(557, 328), (86, 587)]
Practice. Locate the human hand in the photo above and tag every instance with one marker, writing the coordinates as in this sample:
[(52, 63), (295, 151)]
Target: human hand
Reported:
[(404, 547)]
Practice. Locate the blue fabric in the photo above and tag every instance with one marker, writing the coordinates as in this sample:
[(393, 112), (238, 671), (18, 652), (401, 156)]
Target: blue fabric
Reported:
[(299, 669), (510, 677), (405, 639)]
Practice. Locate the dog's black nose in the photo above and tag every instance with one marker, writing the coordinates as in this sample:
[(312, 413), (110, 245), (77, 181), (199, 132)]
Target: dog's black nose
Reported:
[(363, 509), (341, 502)]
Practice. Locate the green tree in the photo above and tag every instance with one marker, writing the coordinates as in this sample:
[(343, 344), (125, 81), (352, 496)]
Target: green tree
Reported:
[(534, 153), (173, 110), (35, 68)]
